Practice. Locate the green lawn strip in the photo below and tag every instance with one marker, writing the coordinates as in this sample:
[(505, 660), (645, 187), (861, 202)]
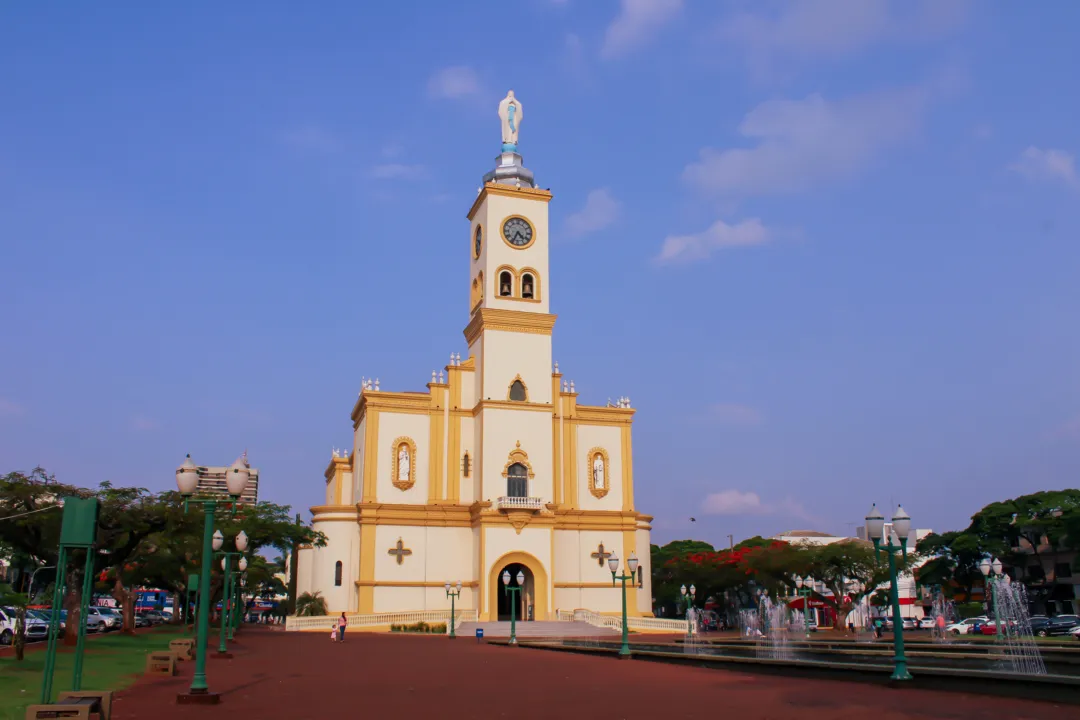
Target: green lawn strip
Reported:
[(111, 662)]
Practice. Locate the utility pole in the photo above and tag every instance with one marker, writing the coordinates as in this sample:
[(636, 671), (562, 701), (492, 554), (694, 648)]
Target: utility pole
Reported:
[(731, 542)]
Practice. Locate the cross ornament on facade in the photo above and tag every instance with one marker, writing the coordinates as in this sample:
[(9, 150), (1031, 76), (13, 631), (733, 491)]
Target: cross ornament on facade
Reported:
[(600, 555), (400, 551)]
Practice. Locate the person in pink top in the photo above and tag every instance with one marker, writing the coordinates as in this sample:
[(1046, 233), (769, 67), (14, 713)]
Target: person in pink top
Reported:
[(341, 623)]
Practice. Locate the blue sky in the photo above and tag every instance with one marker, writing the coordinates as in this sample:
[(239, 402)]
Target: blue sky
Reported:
[(828, 248)]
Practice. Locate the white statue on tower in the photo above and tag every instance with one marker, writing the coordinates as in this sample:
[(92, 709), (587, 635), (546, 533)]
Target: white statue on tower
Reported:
[(511, 115)]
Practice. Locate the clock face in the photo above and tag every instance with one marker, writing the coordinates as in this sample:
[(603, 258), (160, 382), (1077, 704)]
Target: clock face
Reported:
[(517, 231), (479, 242)]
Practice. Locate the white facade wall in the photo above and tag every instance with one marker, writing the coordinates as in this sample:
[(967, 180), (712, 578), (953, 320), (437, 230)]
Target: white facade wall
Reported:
[(392, 426), (610, 439)]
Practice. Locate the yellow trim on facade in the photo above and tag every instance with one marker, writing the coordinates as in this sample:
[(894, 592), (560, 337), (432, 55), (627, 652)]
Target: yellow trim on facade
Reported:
[(412, 584), (520, 290), (371, 454), (509, 405), (472, 241), (593, 415), (508, 321), (493, 188), (453, 443), (436, 423), (365, 595), (498, 282), (510, 388), (627, 469)]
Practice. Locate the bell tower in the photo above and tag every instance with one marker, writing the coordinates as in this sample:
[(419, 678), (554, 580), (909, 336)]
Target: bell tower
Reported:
[(509, 329)]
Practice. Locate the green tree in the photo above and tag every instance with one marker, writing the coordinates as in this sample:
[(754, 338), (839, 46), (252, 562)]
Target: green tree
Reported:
[(310, 604)]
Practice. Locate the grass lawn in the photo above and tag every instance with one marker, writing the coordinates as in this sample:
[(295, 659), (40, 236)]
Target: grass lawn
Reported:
[(111, 662)]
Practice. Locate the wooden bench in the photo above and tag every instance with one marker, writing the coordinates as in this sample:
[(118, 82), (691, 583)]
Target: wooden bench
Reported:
[(80, 704), (184, 649), (161, 663)]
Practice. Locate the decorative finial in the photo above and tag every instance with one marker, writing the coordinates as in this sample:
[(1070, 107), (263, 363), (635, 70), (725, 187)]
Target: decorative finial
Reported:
[(432, 376), (627, 401), (556, 367), (376, 384), (565, 386), (519, 443), (440, 377), (572, 386), (457, 359)]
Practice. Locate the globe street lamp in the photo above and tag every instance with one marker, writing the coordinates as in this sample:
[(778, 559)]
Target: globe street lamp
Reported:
[(805, 589), (613, 565), (990, 569), (689, 606), (238, 591), (875, 528), (513, 591), (187, 480), (227, 604), (453, 595)]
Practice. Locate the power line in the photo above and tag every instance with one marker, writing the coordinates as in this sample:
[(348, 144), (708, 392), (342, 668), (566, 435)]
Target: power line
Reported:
[(12, 517)]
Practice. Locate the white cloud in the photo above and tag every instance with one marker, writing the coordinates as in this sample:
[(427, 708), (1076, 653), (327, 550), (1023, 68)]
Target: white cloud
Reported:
[(719, 236), (9, 408), (454, 82), (736, 415), (637, 22), (601, 210), (735, 502), (1047, 165), (398, 171), (801, 143), (789, 34)]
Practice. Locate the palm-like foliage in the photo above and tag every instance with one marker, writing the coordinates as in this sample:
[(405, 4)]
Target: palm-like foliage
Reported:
[(311, 604)]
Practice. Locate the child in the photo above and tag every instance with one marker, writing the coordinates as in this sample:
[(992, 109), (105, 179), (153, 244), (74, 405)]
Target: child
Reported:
[(334, 631)]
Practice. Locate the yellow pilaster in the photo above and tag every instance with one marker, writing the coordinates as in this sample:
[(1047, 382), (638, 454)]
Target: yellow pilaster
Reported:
[(453, 459), (627, 470), (569, 403), (435, 442), (371, 454), (365, 603), (556, 445)]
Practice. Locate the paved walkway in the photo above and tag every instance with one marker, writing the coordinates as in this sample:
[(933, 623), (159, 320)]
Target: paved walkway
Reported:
[(301, 676)]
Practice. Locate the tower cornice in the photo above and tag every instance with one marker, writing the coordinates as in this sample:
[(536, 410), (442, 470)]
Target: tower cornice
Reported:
[(508, 321), (493, 188)]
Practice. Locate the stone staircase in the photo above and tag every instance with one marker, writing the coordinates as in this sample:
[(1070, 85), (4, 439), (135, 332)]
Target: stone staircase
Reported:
[(536, 630)]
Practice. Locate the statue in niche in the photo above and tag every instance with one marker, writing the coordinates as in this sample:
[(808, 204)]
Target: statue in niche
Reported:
[(404, 463), (598, 471)]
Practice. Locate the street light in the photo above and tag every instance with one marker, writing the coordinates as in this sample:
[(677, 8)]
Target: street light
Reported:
[(990, 570), (453, 595), (805, 589), (228, 605), (187, 480), (613, 565), (875, 528), (689, 606), (513, 591)]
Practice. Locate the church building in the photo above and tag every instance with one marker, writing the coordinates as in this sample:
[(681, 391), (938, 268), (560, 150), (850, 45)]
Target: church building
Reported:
[(495, 466)]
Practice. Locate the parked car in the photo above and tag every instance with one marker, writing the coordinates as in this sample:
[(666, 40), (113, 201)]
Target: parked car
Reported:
[(116, 616), (36, 630), (966, 626), (155, 617), (908, 623), (927, 623), (96, 621), (1075, 632)]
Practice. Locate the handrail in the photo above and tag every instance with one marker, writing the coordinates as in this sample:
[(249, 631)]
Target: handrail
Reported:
[(326, 622)]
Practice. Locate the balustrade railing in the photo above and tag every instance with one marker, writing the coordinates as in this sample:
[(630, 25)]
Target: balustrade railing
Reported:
[(356, 620), (520, 503)]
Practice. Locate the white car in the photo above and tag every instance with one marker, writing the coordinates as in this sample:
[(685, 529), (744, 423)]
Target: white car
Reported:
[(36, 630), (927, 623), (1075, 632), (964, 627), (100, 621)]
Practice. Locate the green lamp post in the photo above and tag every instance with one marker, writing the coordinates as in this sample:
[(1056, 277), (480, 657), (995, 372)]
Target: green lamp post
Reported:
[(514, 592), (613, 566), (805, 589), (901, 527), (453, 595), (227, 603), (187, 480)]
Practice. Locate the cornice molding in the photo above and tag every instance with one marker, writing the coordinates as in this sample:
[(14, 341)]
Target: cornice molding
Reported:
[(493, 188), (508, 321)]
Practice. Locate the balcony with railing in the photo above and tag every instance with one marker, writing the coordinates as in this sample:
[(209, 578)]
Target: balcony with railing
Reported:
[(519, 503)]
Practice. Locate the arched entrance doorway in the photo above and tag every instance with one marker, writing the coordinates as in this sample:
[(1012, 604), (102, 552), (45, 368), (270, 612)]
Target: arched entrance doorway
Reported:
[(525, 599), (532, 601)]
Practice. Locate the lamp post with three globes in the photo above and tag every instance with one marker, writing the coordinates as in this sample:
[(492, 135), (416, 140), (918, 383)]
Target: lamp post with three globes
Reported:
[(901, 526), (513, 592), (187, 480), (453, 595)]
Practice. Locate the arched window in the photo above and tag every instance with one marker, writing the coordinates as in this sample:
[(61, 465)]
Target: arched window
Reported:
[(337, 574), (466, 465), (528, 287), (517, 391), (517, 481), (506, 284)]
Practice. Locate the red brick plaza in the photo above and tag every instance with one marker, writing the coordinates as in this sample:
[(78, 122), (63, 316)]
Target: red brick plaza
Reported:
[(304, 675)]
